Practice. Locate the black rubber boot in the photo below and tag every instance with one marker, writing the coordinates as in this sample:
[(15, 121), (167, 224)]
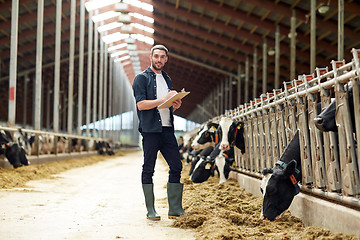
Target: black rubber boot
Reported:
[(149, 202), (174, 192)]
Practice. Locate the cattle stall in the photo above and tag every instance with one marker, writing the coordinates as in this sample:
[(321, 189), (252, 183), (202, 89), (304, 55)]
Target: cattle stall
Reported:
[(329, 160)]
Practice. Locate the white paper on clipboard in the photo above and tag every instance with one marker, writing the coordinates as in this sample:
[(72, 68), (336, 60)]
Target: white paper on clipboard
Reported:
[(168, 103)]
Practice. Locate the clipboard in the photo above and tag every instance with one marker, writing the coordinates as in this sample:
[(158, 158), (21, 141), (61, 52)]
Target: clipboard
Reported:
[(168, 103)]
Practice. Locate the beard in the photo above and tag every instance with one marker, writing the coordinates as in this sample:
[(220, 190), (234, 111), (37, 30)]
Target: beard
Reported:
[(157, 68)]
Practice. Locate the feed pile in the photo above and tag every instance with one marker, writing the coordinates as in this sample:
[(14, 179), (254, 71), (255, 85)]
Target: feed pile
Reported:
[(227, 212)]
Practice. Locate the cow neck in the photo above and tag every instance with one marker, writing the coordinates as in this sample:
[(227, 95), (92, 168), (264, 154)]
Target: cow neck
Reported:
[(293, 179)]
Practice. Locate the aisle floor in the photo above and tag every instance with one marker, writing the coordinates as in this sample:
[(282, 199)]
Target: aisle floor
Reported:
[(102, 201)]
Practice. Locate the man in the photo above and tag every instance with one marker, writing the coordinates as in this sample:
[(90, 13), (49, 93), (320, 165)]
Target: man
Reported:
[(151, 88)]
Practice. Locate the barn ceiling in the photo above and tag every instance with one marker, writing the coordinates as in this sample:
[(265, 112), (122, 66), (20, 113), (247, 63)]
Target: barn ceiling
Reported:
[(207, 39)]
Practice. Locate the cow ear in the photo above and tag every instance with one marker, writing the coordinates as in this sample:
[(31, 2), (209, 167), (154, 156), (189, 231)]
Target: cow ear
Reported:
[(290, 168), (267, 171)]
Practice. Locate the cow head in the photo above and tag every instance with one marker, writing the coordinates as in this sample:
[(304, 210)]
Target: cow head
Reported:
[(14, 153), (204, 136), (230, 133), (279, 186), (325, 121)]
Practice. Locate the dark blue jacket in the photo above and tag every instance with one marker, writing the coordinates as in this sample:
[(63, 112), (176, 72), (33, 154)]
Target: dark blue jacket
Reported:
[(144, 88)]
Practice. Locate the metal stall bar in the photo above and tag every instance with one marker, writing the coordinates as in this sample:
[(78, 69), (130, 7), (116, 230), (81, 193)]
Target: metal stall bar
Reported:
[(280, 125), (356, 95), (266, 124), (273, 130), (246, 79), (349, 168), (316, 139), (331, 151), (306, 167)]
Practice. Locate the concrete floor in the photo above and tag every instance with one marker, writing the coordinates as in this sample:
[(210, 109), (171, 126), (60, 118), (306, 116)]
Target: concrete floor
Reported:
[(102, 201)]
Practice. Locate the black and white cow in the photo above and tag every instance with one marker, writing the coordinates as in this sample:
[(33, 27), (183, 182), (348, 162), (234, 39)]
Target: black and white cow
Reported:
[(280, 183), (12, 151), (222, 157), (205, 137), (326, 122), (231, 133)]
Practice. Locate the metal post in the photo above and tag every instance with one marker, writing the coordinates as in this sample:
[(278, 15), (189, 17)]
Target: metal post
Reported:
[(81, 66), (226, 94), (26, 79), (239, 85), (222, 97), (313, 36), (293, 45), (95, 74), (38, 72), (230, 92), (264, 70), (247, 79), (57, 66), (255, 73), (89, 70), (110, 105), (39, 48), (341, 30), (277, 57), (101, 84), (71, 67), (48, 100), (105, 84), (13, 62)]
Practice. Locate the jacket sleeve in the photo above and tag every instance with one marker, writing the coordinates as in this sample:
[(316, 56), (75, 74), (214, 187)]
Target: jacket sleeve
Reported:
[(139, 88)]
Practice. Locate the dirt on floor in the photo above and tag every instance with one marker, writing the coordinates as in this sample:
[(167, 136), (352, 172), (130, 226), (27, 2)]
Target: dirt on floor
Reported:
[(227, 212), (15, 178), (214, 211)]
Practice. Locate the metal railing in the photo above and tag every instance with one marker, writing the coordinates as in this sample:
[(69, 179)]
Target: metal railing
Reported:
[(330, 161)]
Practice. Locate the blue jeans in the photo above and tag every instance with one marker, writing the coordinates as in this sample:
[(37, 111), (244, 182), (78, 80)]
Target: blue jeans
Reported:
[(166, 143)]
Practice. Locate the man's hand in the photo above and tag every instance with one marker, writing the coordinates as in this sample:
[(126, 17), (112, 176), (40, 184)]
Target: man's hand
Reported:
[(170, 94), (176, 104)]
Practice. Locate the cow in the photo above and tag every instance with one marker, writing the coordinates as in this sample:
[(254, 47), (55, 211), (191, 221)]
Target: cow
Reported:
[(103, 148), (231, 134), (205, 136), (221, 158), (186, 149), (325, 121), (280, 183), (12, 151)]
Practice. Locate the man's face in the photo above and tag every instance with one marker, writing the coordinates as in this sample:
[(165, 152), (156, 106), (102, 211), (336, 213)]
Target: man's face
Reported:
[(158, 59)]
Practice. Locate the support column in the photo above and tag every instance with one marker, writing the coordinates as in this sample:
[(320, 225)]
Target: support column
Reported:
[(101, 84), (313, 36), (247, 79), (230, 91), (277, 57), (71, 67), (264, 70), (239, 85), (89, 76), (38, 71), (57, 66), (13, 61), (293, 45), (95, 94), (341, 30), (81, 67), (255, 67), (26, 80)]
